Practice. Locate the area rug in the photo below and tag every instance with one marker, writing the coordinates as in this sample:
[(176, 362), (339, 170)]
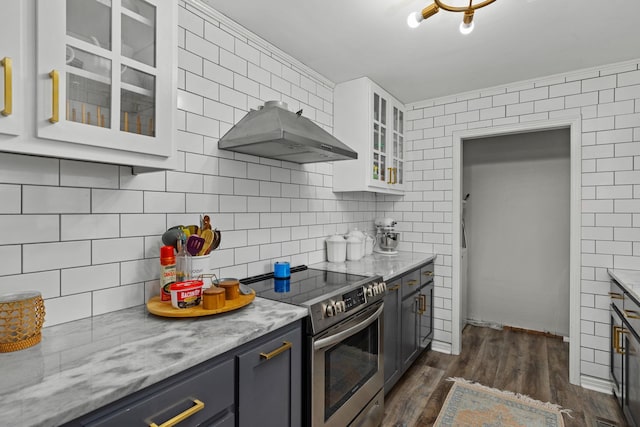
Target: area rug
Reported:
[(473, 405)]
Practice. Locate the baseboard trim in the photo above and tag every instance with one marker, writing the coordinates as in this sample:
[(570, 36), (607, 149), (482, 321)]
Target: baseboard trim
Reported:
[(596, 384), (441, 347)]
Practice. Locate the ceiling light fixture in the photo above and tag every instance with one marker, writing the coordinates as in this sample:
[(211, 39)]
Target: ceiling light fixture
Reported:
[(414, 19)]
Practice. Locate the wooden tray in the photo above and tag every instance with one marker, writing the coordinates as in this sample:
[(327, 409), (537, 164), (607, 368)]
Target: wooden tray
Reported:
[(159, 308)]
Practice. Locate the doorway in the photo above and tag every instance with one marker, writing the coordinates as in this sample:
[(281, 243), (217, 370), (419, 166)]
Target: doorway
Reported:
[(516, 228), (574, 128)]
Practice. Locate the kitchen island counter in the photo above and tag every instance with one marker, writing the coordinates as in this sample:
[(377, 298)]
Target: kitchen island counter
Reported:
[(387, 266), (83, 365)]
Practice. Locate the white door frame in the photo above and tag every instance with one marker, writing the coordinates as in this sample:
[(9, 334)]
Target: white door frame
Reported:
[(574, 125)]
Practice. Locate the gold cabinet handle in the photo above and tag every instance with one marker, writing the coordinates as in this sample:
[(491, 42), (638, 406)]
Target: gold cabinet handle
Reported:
[(412, 282), (7, 63), (390, 176), (394, 288), (286, 345), (55, 109), (631, 314), (423, 303), (198, 406), (428, 273), (616, 295)]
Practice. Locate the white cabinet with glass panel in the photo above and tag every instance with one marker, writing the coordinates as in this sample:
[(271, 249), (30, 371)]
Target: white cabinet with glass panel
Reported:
[(106, 81), (371, 122), (11, 70)]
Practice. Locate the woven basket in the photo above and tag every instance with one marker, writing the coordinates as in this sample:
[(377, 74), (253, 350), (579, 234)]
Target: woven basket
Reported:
[(21, 319)]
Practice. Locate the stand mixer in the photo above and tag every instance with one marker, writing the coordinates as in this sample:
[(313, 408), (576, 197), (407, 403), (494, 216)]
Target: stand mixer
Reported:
[(387, 238)]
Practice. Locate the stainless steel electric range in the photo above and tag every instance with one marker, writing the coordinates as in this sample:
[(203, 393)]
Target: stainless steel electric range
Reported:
[(343, 356)]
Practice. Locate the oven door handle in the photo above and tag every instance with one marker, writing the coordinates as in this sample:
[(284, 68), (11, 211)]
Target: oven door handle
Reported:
[(340, 336)]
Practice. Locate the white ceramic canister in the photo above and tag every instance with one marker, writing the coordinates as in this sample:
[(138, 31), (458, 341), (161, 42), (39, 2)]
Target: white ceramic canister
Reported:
[(369, 243), (355, 248), (336, 248)]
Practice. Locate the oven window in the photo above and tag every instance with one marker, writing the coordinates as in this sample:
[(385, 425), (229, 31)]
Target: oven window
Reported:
[(348, 366)]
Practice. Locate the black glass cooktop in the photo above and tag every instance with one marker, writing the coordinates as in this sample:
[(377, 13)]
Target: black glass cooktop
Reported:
[(304, 285)]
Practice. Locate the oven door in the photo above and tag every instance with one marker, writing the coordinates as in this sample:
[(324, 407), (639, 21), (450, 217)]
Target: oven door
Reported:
[(347, 371)]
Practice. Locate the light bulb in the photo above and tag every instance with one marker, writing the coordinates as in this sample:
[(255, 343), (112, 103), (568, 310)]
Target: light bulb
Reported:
[(413, 20), (466, 28)]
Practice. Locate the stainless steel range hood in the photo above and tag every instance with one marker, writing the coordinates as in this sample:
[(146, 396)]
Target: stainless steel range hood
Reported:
[(275, 132)]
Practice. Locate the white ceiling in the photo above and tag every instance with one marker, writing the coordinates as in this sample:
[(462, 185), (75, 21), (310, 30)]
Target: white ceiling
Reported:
[(513, 40)]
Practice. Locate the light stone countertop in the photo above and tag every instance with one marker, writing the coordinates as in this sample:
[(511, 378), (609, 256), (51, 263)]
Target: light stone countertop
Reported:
[(387, 266), (83, 365), (630, 279)]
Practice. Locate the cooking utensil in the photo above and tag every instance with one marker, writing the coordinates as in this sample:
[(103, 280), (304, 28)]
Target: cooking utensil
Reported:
[(207, 235), (171, 236), (194, 244), (217, 238)]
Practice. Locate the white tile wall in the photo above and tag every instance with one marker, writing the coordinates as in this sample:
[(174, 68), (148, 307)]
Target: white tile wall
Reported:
[(87, 235), (608, 100)]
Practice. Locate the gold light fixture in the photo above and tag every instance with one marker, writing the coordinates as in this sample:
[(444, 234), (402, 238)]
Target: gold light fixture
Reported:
[(414, 19)]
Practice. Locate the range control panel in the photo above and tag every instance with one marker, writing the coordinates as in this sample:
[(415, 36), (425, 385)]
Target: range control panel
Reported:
[(356, 298)]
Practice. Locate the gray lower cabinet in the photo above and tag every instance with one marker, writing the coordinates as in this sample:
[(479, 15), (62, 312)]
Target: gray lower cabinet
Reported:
[(408, 321), (625, 351), (391, 327), (259, 383), (270, 383)]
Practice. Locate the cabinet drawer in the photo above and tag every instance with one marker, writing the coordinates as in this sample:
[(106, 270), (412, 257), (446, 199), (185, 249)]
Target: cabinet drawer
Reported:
[(410, 283), (426, 274), (213, 386)]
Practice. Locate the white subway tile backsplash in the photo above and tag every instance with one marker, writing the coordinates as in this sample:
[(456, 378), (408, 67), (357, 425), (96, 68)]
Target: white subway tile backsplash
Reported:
[(36, 199), (11, 199), (82, 227), (112, 299), (116, 201), (18, 229), (11, 261), (50, 256), (67, 308), (85, 279), (115, 250)]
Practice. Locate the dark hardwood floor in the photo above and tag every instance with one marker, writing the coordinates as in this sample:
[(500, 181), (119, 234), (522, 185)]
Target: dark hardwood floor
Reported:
[(535, 365)]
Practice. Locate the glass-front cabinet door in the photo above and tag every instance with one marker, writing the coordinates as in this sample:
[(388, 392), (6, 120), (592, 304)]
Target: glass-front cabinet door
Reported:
[(11, 69), (104, 74), (387, 150), (398, 147)]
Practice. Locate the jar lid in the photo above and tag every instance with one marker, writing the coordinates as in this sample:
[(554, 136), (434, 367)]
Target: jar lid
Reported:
[(213, 291), (166, 252), (189, 284), (229, 283), (335, 238)]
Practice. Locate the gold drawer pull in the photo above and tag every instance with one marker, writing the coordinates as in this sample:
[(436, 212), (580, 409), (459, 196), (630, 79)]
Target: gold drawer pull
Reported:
[(55, 80), (394, 288), (390, 176), (199, 406), (631, 314), (616, 295), (7, 63), (423, 303), (428, 273), (412, 282), (286, 345)]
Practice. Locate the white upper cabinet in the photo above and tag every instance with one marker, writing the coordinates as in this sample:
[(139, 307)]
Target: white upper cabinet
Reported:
[(11, 70), (370, 121), (105, 74)]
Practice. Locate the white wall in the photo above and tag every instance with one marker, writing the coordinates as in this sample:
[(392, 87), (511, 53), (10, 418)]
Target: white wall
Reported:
[(608, 100), (517, 222), (88, 235)]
